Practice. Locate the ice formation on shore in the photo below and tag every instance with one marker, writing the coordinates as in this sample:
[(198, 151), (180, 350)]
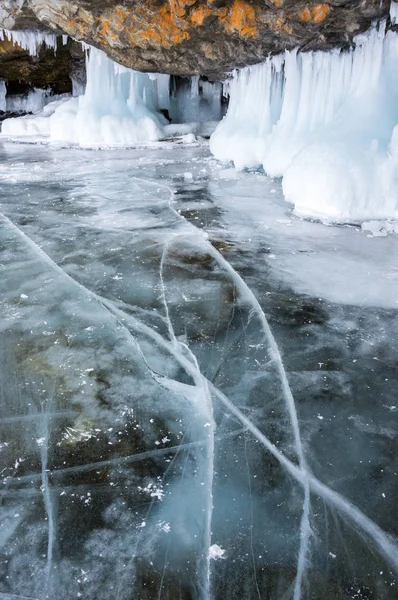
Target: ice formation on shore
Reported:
[(326, 122), (394, 13), (32, 102)]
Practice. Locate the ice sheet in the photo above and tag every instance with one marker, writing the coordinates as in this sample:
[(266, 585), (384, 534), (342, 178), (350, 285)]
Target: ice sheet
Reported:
[(179, 396)]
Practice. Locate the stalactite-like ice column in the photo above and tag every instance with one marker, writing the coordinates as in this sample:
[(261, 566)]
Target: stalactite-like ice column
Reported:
[(196, 101), (326, 122)]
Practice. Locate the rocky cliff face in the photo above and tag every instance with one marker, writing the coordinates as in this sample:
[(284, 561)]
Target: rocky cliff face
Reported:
[(207, 37)]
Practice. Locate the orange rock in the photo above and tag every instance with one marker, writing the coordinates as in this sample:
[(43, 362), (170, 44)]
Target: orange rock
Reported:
[(304, 14), (198, 15), (315, 14), (178, 7), (163, 29), (240, 18), (320, 12)]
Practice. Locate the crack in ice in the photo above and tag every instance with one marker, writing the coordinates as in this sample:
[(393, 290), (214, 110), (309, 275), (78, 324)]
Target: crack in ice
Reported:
[(132, 458), (202, 384), (46, 490), (246, 292)]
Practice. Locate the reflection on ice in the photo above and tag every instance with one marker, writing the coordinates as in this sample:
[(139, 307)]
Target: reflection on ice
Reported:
[(176, 419)]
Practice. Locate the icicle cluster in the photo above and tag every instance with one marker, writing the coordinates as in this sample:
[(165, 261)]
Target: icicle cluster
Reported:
[(196, 101), (30, 40), (119, 107), (325, 121)]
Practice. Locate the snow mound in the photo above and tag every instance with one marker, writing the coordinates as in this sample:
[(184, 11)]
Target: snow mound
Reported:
[(325, 122)]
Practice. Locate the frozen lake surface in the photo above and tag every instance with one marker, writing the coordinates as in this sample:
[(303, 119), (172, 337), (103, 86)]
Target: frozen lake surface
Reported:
[(199, 391)]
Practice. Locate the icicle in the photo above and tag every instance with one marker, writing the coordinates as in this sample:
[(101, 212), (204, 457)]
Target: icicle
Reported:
[(3, 92), (163, 93), (211, 93), (30, 40), (64, 40), (195, 86), (77, 86)]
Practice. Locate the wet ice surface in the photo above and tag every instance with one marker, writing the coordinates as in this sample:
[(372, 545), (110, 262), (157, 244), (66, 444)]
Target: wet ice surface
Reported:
[(198, 391)]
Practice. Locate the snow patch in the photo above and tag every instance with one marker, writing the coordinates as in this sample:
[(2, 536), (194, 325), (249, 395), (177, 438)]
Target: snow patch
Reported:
[(36, 125), (379, 228)]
